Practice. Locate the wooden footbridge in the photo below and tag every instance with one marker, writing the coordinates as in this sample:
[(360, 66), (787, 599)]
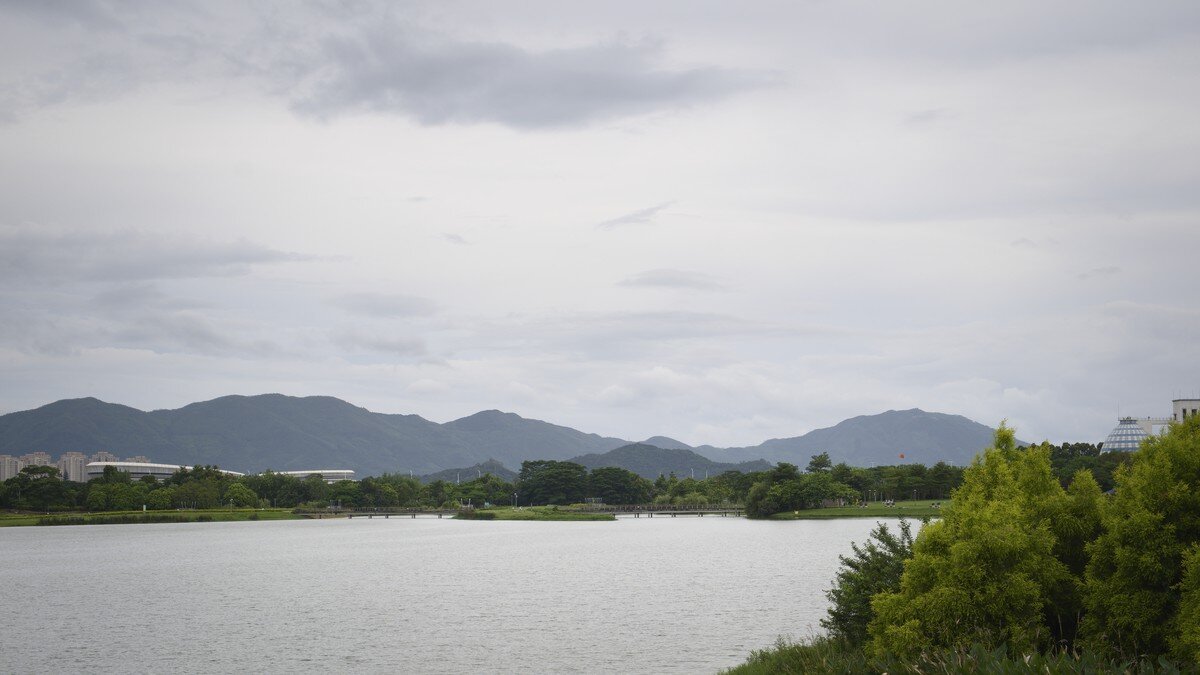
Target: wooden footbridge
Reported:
[(375, 513), (620, 511)]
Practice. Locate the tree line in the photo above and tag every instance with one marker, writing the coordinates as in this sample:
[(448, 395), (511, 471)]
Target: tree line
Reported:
[(783, 488)]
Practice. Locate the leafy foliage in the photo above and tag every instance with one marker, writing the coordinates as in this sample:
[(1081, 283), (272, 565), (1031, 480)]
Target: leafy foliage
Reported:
[(875, 567), (830, 655), (1142, 566), (997, 569), (551, 482)]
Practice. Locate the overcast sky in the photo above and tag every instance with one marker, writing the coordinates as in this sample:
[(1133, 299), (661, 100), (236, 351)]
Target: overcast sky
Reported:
[(722, 222)]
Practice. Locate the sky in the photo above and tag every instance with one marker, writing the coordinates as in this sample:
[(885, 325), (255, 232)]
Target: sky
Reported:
[(720, 222)]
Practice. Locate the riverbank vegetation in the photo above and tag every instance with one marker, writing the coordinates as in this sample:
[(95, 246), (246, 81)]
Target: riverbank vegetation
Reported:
[(139, 517), (1023, 573), (921, 508), (822, 490), (541, 513)]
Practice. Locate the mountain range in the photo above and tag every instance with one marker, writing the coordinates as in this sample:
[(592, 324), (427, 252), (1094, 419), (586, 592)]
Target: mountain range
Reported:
[(272, 431)]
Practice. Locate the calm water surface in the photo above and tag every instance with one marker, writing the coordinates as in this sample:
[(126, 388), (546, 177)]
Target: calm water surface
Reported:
[(690, 595)]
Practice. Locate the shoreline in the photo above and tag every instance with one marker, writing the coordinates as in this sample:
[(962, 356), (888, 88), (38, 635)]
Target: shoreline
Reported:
[(914, 510)]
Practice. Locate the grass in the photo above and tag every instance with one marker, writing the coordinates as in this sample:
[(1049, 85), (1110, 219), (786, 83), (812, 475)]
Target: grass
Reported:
[(533, 513), (907, 509), (139, 517), (824, 655)]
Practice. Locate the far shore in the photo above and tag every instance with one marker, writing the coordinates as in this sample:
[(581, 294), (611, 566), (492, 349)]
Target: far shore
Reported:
[(904, 509)]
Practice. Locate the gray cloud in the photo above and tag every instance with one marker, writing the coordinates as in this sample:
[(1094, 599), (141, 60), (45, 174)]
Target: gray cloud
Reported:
[(34, 254), (679, 279), (639, 217), (185, 332), (927, 117), (1098, 272), (454, 238), (139, 296), (384, 304), (393, 345), (439, 80), (326, 63)]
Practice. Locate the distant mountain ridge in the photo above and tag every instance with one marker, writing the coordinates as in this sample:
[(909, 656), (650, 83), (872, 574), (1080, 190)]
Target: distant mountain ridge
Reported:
[(649, 461), (867, 440), (273, 431), (472, 472)]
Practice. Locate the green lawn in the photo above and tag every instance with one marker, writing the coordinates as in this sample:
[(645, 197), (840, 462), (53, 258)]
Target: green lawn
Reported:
[(135, 517), (908, 509)]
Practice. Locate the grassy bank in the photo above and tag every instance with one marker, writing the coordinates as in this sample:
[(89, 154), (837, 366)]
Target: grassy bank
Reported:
[(140, 517), (907, 509), (531, 513), (822, 655)]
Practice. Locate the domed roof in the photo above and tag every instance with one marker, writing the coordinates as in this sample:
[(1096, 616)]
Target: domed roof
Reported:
[(1126, 437)]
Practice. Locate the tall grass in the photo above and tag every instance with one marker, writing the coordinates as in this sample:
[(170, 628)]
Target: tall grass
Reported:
[(825, 655)]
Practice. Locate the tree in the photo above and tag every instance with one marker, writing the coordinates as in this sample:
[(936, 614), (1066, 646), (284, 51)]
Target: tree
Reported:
[(1138, 562), (989, 572), (240, 495), (875, 567), (819, 463), (161, 498), (552, 482), (39, 488)]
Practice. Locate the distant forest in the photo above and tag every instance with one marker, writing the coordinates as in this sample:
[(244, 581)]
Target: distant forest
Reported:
[(780, 488)]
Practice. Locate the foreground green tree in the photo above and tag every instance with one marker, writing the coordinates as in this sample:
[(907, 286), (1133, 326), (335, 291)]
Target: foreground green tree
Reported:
[(876, 567), (1142, 583), (999, 568)]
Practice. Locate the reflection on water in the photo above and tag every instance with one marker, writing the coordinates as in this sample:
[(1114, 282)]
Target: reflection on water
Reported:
[(400, 595)]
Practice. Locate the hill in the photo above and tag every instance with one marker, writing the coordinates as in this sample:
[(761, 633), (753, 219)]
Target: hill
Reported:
[(472, 472), (649, 461), (870, 440), (272, 431)]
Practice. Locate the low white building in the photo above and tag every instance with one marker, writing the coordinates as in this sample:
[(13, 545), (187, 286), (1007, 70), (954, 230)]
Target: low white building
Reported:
[(1129, 433), (329, 475), (137, 470)]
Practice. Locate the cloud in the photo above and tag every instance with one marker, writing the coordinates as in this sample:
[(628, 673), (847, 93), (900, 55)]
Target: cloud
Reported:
[(454, 238), (927, 117), (399, 69), (393, 345), (384, 304), (1098, 272), (37, 254), (325, 62), (635, 218), (185, 332), (679, 279), (139, 296)]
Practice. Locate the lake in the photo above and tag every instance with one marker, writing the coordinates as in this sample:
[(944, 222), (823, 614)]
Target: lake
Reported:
[(661, 595)]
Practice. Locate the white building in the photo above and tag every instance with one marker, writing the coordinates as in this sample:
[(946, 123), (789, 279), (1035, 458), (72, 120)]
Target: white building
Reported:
[(9, 467), (329, 475), (73, 466), (137, 470), (1131, 431)]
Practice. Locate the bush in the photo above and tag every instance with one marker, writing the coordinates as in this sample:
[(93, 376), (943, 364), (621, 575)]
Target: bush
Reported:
[(875, 567), (829, 655)]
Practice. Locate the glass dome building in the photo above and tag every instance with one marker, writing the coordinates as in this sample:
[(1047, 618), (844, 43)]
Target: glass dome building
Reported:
[(1126, 437)]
